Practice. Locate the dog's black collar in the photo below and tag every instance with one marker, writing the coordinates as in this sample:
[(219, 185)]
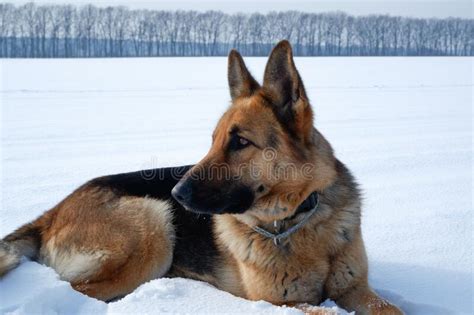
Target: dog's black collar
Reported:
[(308, 207)]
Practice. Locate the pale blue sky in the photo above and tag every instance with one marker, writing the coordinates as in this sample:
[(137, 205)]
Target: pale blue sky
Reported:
[(417, 8)]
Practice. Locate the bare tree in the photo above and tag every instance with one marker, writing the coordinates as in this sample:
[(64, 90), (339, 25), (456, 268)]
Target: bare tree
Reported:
[(7, 16), (88, 31)]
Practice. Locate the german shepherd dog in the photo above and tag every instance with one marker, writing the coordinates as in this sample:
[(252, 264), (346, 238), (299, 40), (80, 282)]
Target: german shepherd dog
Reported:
[(268, 214)]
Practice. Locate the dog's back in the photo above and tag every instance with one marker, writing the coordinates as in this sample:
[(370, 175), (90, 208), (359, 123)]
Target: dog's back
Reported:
[(123, 221), (98, 236)]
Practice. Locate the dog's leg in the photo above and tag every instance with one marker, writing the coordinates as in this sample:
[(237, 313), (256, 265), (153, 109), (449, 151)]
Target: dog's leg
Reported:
[(347, 283), (364, 300), (106, 246), (112, 283)]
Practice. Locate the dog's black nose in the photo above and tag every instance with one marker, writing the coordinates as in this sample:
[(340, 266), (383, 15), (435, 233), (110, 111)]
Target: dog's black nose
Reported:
[(182, 192)]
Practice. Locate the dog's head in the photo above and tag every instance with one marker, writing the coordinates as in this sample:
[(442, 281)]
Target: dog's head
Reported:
[(266, 157)]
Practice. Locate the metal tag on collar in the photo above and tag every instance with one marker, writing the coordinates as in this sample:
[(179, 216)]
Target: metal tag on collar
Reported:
[(276, 241), (276, 237)]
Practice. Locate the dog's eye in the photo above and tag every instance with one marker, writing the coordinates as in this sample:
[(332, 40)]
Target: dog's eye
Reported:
[(243, 141), (238, 143)]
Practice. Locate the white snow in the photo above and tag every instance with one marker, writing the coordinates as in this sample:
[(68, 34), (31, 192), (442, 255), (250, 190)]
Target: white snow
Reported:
[(402, 125), (35, 289)]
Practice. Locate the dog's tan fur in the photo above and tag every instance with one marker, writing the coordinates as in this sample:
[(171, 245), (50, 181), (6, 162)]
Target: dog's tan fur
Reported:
[(106, 244)]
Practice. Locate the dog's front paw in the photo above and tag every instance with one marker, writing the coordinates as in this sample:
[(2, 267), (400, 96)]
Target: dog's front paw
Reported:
[(379, 306)]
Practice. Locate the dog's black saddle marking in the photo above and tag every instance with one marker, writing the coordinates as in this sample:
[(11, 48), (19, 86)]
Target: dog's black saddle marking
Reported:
[(195, 249)]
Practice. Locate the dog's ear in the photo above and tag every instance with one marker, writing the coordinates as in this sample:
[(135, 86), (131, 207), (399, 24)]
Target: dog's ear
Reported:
[(241, 82), (283, 84)]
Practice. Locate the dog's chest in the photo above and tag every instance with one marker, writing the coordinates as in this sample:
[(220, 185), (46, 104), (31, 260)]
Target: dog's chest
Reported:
[(285, 277)]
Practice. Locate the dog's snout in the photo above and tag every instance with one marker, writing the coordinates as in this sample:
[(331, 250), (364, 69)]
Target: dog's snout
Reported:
[(212, 197), (182, 192)]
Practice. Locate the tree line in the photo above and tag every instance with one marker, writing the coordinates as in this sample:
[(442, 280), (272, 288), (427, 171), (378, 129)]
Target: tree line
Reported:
[(49, 31)]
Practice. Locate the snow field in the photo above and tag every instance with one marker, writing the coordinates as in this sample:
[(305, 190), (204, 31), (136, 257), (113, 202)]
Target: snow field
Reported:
[(402, 125)]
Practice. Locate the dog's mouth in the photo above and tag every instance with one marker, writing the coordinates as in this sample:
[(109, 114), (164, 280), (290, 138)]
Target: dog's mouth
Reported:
[(202, 211), (227, 209), (200, 198), (233, 207)]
